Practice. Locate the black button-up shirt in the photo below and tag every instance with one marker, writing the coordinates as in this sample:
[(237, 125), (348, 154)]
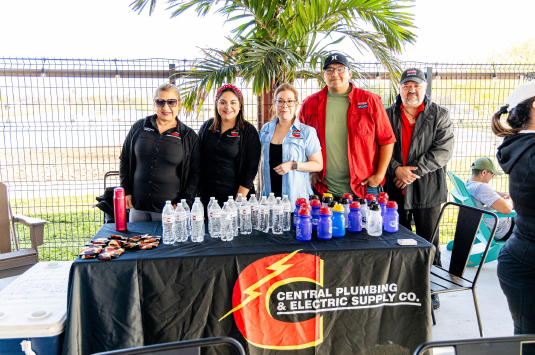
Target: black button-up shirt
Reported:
[(158, 165), (220, 164)]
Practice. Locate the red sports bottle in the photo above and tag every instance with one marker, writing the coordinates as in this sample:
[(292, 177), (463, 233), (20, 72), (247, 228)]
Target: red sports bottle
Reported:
[(119, 209)]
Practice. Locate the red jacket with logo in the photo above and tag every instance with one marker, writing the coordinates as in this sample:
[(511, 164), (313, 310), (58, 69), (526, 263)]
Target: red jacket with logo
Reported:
[(368, 127)]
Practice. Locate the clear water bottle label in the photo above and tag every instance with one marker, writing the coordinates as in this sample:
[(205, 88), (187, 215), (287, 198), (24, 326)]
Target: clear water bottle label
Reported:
[(168, 219), (277, 211), (228, 217), (287, 208), (262, 211), (215, 214), (195, 218), (245, 211), (254, 208)]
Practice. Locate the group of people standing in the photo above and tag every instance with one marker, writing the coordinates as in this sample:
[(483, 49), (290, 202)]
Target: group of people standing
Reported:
[(341, 141)]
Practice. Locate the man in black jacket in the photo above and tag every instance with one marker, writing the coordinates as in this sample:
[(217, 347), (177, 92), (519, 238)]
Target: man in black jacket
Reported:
[(416, 175)]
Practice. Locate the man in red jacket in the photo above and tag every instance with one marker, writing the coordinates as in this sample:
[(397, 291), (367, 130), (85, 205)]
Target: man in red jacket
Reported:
[(354, 131)]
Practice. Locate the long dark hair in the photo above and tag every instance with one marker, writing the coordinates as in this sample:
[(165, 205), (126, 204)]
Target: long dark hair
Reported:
[(517, 119), (217, 117)]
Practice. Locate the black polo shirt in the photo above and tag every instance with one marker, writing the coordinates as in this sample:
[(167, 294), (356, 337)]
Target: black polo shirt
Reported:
[(158, 166), (219, 165)]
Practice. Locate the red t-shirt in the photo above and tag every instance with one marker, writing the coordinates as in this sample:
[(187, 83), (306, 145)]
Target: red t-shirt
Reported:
[(406, 133)]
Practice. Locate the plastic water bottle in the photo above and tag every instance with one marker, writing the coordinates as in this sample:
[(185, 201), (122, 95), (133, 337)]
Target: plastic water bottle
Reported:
[(278, 215), (234, 212), (364, 211), (303, 230), (349, 197), (271, 201), (354, 219), (298, 204), (253, 203), (263, 220), (315, 213), (181, 224), (187, 210), (375, 227), (287, 213), (214, 214), (209, 217), (345, 202), (370, 198), (391, 221), (339, 222), (327, 199), (238, 203), (227, 234), (168, 222), (197, 221), (325, 224), (245, 218)]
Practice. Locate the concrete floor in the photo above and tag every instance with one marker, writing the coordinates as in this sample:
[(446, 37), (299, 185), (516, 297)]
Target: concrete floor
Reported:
[(456, 317)]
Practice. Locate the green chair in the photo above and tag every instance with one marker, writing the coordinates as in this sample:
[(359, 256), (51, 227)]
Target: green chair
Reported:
[(461, 195)]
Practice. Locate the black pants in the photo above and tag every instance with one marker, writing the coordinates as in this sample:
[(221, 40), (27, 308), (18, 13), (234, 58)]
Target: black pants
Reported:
[(425, 220)]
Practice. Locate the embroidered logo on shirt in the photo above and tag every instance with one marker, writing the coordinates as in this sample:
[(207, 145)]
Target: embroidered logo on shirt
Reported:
[(235, 133), (411, 72), (174, 134), (363, 105), (296, 133), (148, 129)]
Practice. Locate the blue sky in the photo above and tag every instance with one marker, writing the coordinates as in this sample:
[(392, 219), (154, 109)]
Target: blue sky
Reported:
[(448, 31)]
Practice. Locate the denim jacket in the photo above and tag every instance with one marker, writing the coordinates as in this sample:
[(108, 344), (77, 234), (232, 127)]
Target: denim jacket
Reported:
[(300, 142)]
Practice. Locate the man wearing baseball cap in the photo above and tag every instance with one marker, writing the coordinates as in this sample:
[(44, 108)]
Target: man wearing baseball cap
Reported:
[(355, 134), (416, 175), (483, 170)]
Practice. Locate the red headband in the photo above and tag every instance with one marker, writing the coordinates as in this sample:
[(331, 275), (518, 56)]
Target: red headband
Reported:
[(228, 86)]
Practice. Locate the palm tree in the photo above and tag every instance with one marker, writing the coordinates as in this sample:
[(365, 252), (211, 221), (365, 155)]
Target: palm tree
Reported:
[(280, 40)]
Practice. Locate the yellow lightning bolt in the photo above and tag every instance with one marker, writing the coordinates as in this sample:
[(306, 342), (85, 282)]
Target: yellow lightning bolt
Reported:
[(278, 268)]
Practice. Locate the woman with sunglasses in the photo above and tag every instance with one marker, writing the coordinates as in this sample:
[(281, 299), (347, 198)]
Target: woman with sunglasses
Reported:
[(290, 149), (230, 149), (160, 159)]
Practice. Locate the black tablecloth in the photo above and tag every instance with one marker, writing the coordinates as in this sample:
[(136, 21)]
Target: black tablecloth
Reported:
[(343, 296)]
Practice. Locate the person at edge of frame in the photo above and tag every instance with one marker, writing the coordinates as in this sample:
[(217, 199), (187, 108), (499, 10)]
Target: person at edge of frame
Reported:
[(160, 159), (353, 128), (230, 149), (516, 156), (290, 149), (416, 175)]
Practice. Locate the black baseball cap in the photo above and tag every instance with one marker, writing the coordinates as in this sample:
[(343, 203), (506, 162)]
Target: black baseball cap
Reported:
[(412, 74), (335, 58)]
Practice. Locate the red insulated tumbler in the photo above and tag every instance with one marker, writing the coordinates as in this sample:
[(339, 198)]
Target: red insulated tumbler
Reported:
[(119, 209)]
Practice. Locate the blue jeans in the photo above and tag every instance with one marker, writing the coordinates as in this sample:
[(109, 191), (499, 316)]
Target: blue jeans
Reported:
[(142, 216), (372, 190), (512, 275)]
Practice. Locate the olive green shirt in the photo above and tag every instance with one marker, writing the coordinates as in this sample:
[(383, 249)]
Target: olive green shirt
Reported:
[(337, 176)]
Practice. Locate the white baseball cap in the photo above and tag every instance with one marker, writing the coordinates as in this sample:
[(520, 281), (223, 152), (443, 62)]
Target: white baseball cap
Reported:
[(521, 93)]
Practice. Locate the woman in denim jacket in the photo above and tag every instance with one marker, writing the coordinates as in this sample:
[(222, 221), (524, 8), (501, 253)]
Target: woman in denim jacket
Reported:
[(290, 149)]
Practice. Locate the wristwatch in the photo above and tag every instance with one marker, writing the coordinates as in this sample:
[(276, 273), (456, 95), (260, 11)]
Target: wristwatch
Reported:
[(294, 166)]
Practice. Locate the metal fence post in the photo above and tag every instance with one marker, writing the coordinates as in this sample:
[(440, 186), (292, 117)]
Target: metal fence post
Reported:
[(429, 81)]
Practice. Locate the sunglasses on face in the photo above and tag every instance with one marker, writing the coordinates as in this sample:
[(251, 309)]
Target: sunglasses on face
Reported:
[(161, 103)]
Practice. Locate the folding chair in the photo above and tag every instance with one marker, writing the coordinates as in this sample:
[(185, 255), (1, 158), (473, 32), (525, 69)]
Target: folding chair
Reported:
[(14, 263), (105, 201), (461, 195), (485, 346), (452, 280), (186, 347)]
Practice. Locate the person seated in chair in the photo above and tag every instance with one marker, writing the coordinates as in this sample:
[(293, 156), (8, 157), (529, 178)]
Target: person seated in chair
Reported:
[(484, 195)]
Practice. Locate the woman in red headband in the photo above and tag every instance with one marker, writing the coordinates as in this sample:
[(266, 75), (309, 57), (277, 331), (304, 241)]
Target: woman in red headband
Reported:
[(230, 149)]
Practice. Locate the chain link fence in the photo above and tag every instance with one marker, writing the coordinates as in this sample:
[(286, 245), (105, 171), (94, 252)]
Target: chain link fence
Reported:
[(63, 122)]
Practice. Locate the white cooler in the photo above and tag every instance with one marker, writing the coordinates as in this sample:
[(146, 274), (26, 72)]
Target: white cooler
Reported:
[(33, 310)]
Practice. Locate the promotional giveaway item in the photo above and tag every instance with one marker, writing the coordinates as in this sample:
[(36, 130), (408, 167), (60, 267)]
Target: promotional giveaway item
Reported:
[(278, 214), (354, 219), (382, 203), (303, 230), (254, 211), (314, 197), (214, 215), (181, 224), (188, 215), (382, 194), (298, 204), (325, 224), (345, 202), (315, 213), (197, 221), (287, 213), (339, 221), (119, 209), (370, 198), (235, 215), (375, 221), (209, 216), (271, 202), (327, 199), (263, 215), (364, 211), (227, 233), (349, 197), (391, 221)]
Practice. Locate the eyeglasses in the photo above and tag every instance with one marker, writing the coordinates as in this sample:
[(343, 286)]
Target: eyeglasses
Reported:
[(340, 70), (408, 87), (289, 103), (161, 103), (493, 175)]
